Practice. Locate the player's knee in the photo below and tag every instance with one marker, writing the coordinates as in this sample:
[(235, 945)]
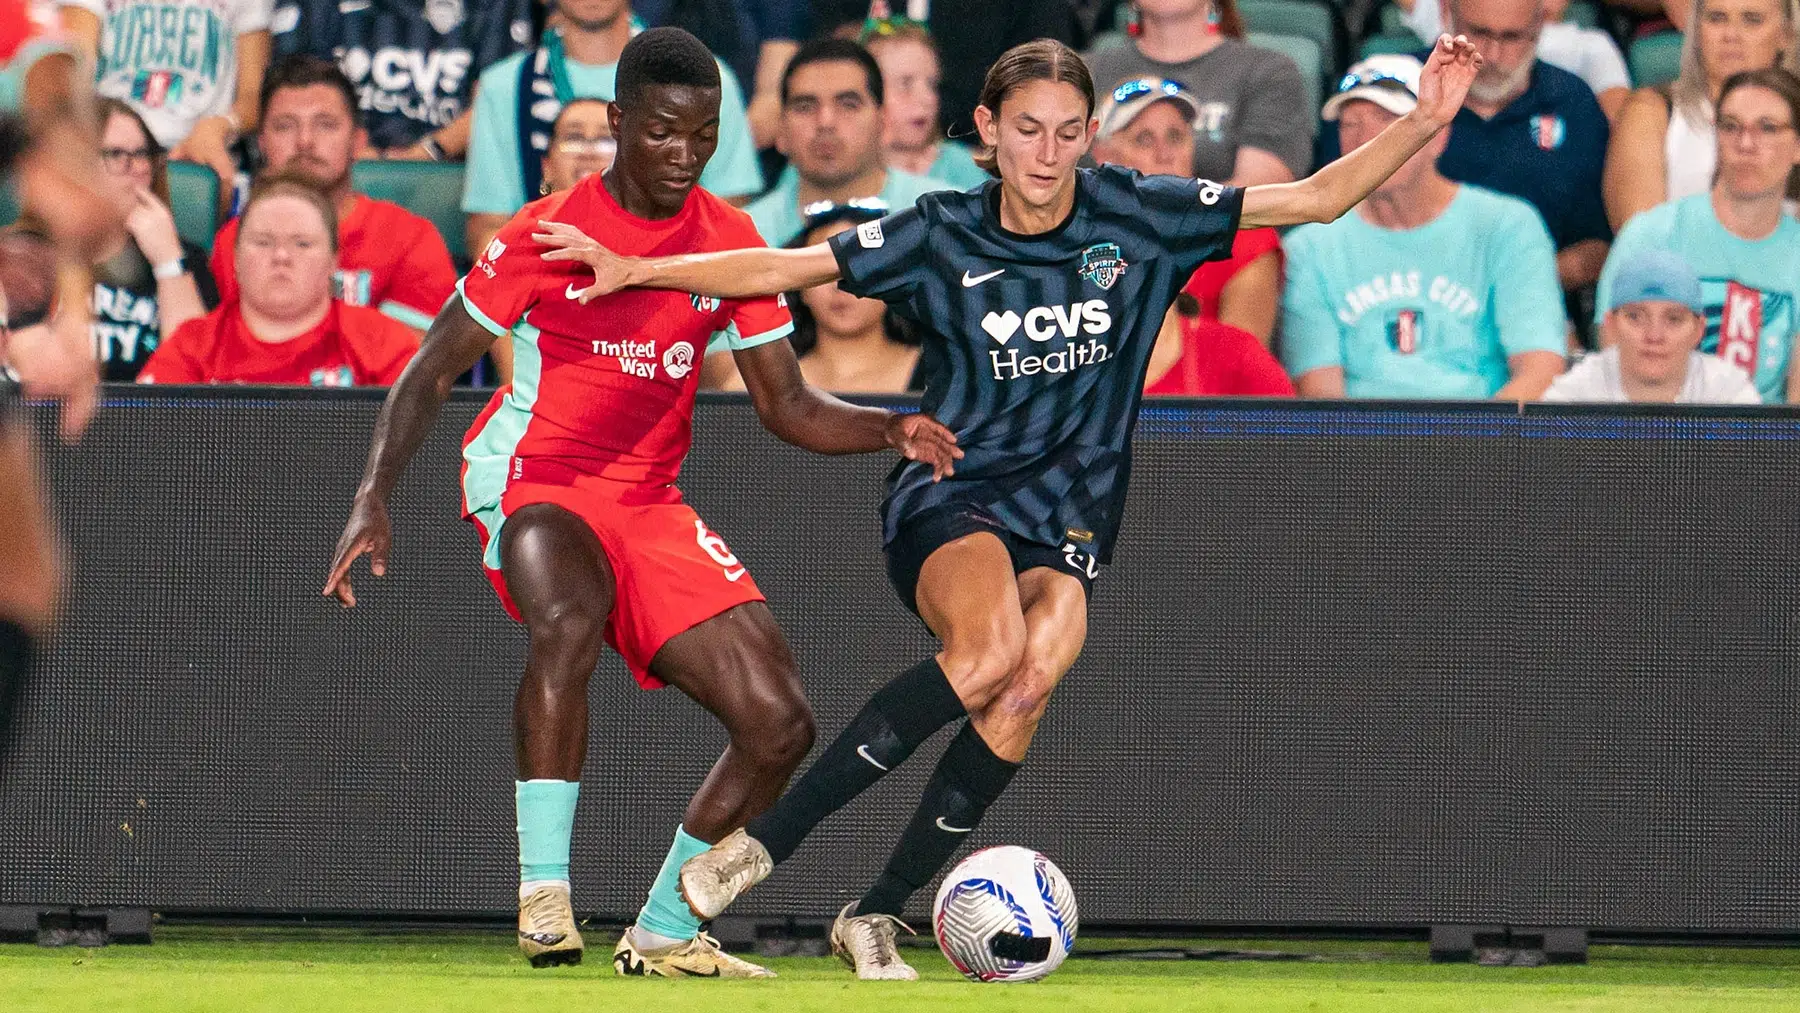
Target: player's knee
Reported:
[(979, 664), (566, 629), (1027, 693), (782, 735)]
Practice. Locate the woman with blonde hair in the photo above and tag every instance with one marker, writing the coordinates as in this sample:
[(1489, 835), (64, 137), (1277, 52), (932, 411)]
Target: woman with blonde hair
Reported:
[(1664, 147)]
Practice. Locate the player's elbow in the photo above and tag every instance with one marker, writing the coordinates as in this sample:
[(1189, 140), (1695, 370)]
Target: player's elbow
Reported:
[(1318, 205)]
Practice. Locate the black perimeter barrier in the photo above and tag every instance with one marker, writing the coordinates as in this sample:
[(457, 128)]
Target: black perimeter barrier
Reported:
[(1354, 666)]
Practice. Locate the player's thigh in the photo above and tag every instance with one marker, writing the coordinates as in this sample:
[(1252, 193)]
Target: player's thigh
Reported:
[(556, 570), (738, 666), (968, 596)]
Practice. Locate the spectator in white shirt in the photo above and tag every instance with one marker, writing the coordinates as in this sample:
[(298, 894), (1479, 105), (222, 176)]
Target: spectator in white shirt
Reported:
[(1653, 338)]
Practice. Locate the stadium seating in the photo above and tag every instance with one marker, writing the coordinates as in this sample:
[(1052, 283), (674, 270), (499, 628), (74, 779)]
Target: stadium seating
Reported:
[(1586, 15), (432, 190), (1400, 41), (1300, 18), (194, 200), (1305, 53), (1656, 59)]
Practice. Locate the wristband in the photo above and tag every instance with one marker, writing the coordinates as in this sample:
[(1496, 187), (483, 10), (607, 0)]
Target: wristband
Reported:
[(169, 269)]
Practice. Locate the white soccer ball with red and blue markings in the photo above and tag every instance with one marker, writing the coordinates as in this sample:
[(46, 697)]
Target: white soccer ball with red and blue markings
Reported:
[(1005, 914)]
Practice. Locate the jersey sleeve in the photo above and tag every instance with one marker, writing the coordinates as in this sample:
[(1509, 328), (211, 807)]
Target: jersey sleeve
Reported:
[(177, 357), (1196, 219), (253, 16), (503, 283), (883, 259), (755, 322), (424, 279)]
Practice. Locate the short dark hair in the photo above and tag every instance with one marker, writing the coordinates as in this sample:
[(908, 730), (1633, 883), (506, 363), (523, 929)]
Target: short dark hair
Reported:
[(667, 56), (292, 184), (831, 50), (303, 70)]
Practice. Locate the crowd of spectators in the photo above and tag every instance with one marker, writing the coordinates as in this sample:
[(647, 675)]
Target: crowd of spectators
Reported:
[(1639, 233)]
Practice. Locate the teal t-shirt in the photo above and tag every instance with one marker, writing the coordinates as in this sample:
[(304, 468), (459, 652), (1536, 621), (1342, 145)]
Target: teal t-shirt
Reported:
[(1749, 286), (1430, 312), (777, 213), (956, 166), (493, 184)]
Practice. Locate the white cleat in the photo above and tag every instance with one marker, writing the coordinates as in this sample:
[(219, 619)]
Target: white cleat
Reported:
[(547, 933), (866, 943), (699, 957), (711, 880)]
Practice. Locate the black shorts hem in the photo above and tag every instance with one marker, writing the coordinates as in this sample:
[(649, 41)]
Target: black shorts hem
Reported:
[(927, 532)]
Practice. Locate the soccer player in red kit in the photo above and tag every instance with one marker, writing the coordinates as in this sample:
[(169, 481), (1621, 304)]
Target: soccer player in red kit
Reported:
[(569, 478)]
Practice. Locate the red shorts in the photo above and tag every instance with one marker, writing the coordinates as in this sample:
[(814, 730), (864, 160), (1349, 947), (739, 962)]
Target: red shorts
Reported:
[(671, 573)]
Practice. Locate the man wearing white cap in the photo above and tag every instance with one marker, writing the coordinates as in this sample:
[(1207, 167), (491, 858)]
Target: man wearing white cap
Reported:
[(1429, 288), (1147, 123), (1652, 337)]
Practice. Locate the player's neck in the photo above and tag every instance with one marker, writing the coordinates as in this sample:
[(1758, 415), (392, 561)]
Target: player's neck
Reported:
[(274, 330), (868, 184), (597, 45), (1409, 207), (634, 200), (1177, 38), (1752, 217), (1023, 219)]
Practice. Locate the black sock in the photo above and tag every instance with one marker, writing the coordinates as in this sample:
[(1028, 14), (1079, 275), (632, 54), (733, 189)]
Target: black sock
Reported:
[(899, 717), (15, 660), (967, 780)]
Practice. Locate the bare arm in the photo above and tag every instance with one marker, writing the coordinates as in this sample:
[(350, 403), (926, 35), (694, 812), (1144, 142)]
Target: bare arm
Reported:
[(454, 343), (801, 414), (1327, 194), (1324, 383), (730, 274), (1256, 167), (1637, 169), (1532, 373)]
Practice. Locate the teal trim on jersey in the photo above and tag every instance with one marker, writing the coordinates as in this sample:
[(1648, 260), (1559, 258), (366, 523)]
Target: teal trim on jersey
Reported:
[(665, 913), (737, 342), (489, 455), (546, 821), (493, 326), (406, 315)]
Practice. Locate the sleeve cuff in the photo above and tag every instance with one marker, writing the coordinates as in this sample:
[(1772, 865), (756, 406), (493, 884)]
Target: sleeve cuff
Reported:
[(738, 343), (493, 327)]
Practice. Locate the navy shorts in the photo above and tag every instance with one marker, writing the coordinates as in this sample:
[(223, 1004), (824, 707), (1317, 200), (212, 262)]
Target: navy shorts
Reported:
[(924, 534)]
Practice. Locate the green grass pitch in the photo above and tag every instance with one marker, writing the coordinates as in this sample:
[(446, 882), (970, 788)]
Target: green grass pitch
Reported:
[(251, 970)]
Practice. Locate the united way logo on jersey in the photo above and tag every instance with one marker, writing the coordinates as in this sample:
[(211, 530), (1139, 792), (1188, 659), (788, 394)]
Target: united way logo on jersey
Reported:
[(678, 361), (704, 304), (1549, 131), (1102, 264)]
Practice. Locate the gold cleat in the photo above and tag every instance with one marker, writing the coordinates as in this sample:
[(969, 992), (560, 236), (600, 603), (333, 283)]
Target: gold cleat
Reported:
[(711, 880), (699, 957), (866, 944), (547, 932)]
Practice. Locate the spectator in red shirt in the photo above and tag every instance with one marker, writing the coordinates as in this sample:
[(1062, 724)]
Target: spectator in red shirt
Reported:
[(388, 257), (284, 326), (1148, 124), (1196, 357)]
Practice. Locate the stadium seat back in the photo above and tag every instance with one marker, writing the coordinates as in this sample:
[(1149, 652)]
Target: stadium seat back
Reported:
[(1656, 59), (1305, 53), (1302, 18), (194, 200), (431, 190), (1382, 43)]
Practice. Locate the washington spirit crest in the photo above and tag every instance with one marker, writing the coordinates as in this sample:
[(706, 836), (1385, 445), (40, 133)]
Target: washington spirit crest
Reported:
[(1102, 264)]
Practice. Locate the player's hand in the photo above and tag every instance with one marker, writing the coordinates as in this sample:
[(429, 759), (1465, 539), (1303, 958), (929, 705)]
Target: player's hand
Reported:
[(1445, 82), (611, 271), (55, 361), (919, 437), (368, 531)]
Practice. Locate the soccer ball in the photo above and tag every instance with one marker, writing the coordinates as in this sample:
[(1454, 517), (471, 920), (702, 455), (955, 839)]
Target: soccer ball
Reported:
[(1005, 914)]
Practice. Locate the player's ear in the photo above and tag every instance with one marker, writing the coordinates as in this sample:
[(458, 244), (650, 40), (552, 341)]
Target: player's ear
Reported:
[(1093, 130), (987, 126), (613, 116)]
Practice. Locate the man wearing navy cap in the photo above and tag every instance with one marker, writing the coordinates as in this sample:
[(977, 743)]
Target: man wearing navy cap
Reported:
[(1652, 338)]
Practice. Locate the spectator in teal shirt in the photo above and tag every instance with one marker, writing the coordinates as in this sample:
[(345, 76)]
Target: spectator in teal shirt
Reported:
[(913, 138), (1428, 289), (1738, 237), (831, 125), (510, 136)]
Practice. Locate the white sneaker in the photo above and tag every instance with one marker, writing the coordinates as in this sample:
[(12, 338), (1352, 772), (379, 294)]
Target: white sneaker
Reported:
[(699, 957), (711, 880), (866, 943), (547, 932)]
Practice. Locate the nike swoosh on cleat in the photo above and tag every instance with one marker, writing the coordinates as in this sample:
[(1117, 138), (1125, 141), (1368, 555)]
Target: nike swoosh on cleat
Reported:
[(572, 292), (971, 282), (947, 828), (863, 751)]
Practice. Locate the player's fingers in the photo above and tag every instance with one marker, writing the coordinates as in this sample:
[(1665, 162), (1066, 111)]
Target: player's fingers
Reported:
[(340, 565)]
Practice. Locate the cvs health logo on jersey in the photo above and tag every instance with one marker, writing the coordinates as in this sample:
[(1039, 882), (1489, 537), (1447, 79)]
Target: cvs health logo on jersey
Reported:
[(1041, 325)]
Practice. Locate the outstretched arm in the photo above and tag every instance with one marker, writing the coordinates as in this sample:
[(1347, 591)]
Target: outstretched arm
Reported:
[(807, 417), (731, 274), (454, 343), (1327, 194)]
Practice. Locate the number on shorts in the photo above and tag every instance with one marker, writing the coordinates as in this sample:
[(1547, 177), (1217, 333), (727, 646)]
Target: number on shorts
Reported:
[(714, 545)]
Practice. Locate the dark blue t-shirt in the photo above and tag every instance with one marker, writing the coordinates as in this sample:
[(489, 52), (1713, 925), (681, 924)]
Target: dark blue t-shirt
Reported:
[(1035, 346)]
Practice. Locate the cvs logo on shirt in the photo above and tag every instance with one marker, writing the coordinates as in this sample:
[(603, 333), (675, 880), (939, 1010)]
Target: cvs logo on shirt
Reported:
[(1042, 324)]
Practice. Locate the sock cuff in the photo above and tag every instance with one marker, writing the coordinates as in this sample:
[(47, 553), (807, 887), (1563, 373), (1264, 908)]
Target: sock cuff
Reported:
[(970, 763), (687, 845), (919, 701)]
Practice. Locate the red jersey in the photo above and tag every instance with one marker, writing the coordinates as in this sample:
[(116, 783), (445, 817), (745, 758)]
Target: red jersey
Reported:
[(1210, 280), (388, 258), (1219, 360), (352, 346), (604, 390)]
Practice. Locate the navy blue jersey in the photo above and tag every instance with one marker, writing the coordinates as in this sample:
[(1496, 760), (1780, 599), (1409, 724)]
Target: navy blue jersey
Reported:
[(1036, 346), (414, 62)]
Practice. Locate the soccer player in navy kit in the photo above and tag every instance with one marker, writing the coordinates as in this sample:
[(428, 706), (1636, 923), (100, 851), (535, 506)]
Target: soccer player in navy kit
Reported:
[(1039, 298)]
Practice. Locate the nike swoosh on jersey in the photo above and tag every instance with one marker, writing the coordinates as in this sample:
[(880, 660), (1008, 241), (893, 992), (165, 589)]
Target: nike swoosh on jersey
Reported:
[(947, 828), (969, 282), (863, 751), (572, 292)]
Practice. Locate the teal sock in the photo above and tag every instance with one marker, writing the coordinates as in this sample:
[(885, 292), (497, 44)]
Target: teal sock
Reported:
[(665, 913), (546, 812)]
